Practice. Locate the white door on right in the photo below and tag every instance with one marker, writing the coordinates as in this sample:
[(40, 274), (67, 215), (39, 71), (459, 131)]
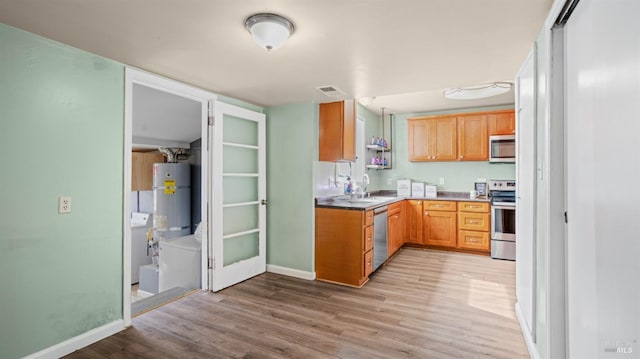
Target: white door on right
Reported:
[(602, 72)]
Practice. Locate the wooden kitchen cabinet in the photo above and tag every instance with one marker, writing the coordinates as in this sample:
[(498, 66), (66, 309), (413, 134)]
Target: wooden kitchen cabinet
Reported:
[(142, 169), (337, 138), (456, 137), (395, 227), (414, 221), (473, 138), (474, 226), (439, 223), (432, 138), (344, 246), (502, 122)]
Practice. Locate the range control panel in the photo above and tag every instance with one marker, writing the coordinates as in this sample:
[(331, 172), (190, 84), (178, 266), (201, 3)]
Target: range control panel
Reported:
[(502, 185)]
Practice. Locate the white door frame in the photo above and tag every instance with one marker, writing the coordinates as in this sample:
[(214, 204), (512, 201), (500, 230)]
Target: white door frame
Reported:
[(207, 100)]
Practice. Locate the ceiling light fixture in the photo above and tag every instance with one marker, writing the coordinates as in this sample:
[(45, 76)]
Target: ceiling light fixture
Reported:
[(478, 91), (269, 31)]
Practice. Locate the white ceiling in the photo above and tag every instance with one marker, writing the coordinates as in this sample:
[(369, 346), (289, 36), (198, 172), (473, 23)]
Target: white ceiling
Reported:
[(162, 119), (403, 52)]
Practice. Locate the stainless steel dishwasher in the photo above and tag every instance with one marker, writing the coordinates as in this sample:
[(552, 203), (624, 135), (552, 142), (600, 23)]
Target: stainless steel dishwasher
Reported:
[(379, 236)]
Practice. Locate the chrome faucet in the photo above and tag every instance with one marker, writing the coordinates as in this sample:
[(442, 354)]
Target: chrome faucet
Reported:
[(365, 183)]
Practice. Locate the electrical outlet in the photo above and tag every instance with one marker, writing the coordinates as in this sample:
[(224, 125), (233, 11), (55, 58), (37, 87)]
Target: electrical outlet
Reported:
[(481, 180), (389, 181), (64, 204), (441, 180)]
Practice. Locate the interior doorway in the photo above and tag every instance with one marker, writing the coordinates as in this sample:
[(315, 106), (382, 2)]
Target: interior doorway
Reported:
[(166, 179)]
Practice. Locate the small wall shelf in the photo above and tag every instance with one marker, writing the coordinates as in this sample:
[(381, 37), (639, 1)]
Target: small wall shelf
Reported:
[(382, 152)]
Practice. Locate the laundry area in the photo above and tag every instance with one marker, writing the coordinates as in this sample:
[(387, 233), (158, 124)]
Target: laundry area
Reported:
[(165, 198)]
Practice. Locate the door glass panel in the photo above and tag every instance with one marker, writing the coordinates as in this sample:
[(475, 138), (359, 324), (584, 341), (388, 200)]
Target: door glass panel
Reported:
[(237, 130), (239, 160), (239, 248), (240, 219), (240, 189)]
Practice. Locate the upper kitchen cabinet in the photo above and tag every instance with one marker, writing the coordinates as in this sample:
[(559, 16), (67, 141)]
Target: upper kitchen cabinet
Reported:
[(473, 143), (432, 139), (142, 169), (502, 122), (337, 131), (456, 137)]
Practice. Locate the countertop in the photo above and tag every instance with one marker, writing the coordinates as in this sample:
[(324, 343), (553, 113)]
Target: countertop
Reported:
[(384, 198)]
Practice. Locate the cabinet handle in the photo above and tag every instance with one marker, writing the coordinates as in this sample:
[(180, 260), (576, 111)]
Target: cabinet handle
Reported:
[(395, 217), (461, 156), (439, 205), (472, 240), (473, 222), (426, 213)]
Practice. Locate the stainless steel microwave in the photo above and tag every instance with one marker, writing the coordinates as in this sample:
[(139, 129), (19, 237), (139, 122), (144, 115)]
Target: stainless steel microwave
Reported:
[(502, 148)]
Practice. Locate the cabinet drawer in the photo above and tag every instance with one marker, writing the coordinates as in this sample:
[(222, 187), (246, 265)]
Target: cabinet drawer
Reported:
[(481, 207), (473, 240), (394, 208), (368, 218), (438, 206), (368, 263), (368, 238), (473, 221)]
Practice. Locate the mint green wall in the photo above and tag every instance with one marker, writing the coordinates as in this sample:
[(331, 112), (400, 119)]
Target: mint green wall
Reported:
[(373, 127), (62, 134), (291, 150), (458, 176)]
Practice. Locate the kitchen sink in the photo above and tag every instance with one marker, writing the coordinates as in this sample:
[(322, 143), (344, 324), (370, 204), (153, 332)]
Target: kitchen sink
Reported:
[(371, 199)]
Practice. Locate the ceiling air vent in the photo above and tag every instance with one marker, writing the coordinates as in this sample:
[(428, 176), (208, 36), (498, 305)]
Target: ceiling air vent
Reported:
[(330, 91)]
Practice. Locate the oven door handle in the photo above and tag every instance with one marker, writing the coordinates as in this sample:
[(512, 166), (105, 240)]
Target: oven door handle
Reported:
[(504, 207)]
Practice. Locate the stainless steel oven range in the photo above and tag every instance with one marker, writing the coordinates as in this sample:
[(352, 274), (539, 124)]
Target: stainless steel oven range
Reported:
[(503, 219)]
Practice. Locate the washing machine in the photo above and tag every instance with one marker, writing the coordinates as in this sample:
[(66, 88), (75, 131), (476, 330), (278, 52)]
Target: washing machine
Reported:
[(180, 263)]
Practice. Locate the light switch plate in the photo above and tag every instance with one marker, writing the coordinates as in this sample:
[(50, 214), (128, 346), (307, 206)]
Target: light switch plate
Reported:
[(441, 180), (64, 204)]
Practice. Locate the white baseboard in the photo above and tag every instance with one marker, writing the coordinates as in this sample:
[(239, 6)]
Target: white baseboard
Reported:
[(80, 341), (533, 352), (291, 272)]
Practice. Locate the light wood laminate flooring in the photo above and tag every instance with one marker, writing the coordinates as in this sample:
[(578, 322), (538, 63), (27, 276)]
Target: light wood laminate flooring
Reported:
[(422, 304)]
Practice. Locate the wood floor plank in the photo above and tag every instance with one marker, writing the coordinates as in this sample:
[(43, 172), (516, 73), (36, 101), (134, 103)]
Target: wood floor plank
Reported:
[(421, 304)]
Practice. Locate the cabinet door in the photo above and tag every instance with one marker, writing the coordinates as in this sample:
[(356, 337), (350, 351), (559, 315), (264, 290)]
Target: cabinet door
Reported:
[(446, 144), (142, 170), (337, 127), (349, 131), (393, 233), (414, 222), (473, 138), (440, 228), (421, 139), (502, 123)]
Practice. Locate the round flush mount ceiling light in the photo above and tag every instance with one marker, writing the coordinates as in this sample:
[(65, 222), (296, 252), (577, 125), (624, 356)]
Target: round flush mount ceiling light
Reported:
[(478, 91), (269, 31)]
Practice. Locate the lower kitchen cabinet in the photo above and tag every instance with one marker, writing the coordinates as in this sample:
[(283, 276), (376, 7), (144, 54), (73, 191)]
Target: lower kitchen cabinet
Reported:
[(473, 240), (414, 221), (344, 245), (395, 227), (439, 223), (474, 226)]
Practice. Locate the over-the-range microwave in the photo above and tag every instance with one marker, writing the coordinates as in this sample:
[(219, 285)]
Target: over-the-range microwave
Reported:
[(502, 148)]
